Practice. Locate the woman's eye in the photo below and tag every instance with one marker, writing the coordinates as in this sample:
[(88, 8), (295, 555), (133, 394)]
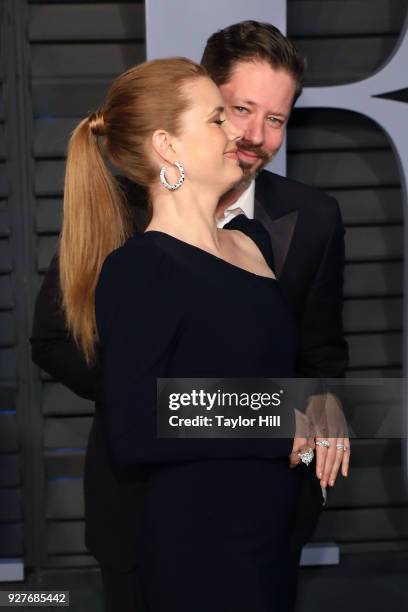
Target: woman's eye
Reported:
[(219, 121)]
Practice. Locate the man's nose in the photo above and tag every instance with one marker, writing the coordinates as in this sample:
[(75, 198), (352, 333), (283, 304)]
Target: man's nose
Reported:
[(254, 131), (233, 133)]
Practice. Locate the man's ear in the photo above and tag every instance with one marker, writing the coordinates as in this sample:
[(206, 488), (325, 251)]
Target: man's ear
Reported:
[(164, 146)]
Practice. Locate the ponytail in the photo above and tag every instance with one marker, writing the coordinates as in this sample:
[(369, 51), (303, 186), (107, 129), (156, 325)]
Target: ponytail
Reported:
[(96, 221)]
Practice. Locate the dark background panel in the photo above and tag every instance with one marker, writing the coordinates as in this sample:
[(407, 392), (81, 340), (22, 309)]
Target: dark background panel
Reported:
[(64, 462), (10, 475), (59, 61), (59, 400), (319, 18), (373, 279), (385, 315), (11, 539), (344, 41), (112, 21)]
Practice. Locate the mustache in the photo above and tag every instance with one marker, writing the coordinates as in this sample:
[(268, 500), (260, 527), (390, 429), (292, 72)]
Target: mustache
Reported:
[(244, 145)]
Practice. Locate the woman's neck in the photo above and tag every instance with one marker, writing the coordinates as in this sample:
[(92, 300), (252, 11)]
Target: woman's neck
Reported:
[(186, 215)]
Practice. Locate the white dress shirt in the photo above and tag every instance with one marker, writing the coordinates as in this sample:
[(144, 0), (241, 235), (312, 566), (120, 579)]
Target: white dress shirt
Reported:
[(244, 204)]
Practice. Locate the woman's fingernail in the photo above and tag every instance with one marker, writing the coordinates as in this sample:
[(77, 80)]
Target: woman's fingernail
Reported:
[(332, 483)]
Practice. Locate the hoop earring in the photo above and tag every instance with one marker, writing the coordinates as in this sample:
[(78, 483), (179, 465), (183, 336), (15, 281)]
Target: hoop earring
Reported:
[(172, 186)]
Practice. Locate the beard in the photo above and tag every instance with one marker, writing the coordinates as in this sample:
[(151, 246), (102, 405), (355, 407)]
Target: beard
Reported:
[(251, 169)]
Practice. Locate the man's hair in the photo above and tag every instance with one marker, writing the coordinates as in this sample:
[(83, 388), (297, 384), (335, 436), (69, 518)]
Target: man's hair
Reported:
[(250, 41)]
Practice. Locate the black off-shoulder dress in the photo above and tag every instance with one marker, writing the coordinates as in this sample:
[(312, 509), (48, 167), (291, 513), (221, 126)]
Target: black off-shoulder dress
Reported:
[(218, 514)]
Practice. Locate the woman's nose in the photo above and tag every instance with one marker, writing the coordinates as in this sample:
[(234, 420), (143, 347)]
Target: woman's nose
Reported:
[(232, 132)]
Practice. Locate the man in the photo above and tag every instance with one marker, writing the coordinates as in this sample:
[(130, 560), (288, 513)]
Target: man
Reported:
[(260, 76)]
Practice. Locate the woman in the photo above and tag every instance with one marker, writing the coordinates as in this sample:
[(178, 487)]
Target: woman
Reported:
[(184, 299)]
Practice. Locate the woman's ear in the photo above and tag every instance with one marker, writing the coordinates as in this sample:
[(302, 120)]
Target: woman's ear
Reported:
[(163, 145)]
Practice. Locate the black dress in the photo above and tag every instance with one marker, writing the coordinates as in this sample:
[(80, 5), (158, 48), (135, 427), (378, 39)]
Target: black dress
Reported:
[(218, 514)]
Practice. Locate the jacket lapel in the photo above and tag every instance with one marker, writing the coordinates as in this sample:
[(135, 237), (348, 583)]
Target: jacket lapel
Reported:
[(280, 229)]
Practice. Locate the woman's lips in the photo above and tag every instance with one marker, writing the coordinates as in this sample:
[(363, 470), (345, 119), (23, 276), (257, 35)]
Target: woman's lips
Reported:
[(232, 154)]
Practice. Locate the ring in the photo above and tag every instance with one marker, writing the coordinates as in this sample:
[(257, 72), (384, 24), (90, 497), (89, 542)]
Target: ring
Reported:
[(307, 456), (342, 447), (325, 443)]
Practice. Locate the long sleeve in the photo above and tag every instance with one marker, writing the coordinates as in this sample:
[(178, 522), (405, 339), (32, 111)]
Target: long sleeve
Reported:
[(323, 348), (52, 347), (140, 304)]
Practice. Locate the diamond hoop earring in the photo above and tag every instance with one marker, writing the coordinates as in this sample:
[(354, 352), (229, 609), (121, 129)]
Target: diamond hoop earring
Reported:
[(172, 186)]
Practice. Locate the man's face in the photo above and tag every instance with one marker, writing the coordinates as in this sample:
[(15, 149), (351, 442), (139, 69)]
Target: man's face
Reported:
[(258, 100)]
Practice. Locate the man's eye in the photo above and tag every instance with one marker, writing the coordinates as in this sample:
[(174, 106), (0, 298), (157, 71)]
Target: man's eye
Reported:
[(275, 121), (241, 109)]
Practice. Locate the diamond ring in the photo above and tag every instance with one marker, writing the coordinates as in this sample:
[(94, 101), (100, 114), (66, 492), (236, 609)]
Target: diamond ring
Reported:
[(307, 456), (325, 443)]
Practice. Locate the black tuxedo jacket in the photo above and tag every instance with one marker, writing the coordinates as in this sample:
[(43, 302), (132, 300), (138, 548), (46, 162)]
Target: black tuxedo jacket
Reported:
[(307, 237)]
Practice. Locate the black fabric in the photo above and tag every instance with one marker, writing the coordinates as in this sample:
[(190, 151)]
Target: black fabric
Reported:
[(122, 591), (314, 256), (312, 275), (166, 309), (52, 347), (216, 536), (113, 502), (258, 233)]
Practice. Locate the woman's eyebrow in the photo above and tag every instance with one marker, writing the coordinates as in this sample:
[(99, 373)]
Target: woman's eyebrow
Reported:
[(218, 109)]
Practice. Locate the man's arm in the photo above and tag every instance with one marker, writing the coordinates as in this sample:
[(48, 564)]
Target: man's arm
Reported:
[(324, 354), (323, 348), (52, 348)]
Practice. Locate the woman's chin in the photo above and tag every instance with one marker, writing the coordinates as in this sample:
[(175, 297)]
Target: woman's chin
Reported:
[(237, 175), (234, 169)]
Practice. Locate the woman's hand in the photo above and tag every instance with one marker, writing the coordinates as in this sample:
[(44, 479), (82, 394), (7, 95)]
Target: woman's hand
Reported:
[(302, 441), (329, 459), (323, 415), (328, 424)]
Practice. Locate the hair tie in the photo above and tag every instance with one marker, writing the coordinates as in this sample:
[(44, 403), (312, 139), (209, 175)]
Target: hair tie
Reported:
[(97, 123)]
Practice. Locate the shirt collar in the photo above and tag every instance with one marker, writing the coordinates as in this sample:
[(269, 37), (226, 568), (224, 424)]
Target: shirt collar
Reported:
[(246, 202)]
